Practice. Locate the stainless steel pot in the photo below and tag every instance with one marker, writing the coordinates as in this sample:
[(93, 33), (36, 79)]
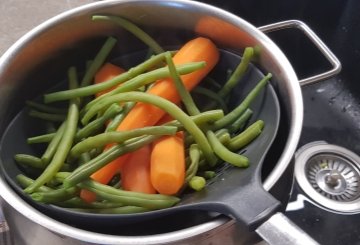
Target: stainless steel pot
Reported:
[(37, 56)]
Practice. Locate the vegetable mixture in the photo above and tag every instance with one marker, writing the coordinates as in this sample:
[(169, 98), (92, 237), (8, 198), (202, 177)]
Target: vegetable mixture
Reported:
[(133, 140)]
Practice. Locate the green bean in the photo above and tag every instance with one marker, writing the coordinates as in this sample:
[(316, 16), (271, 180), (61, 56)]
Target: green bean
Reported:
[(103, 139), (238, 73), (203, 119), (147, 78), (98, 123), (35, 162), (209, 174), (247, 136), (113, 125), (239, 123), (95, 152), (131, 27), (52, 147), (194, 154), (54, 196), (221, 132), (98, 61), (45, 108), (45, 138), (88, 64), (84, 158), (189, 139), (85, 170), (222, 152), (213, 96), (77, 202), (47, 116), (224, 138), (62, 175), (137, 81), (29, 160), (165, 105), (93, 89), (66, 167), (116, 210), (180, 87), (234, 114), (150, 201), (25, 181), (66, 141), (197, 183)]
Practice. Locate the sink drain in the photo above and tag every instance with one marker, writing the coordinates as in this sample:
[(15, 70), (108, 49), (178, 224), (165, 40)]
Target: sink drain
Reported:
[(330, 175)]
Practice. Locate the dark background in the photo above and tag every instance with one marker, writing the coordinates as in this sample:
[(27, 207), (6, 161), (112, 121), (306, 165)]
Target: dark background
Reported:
[(332, 108)]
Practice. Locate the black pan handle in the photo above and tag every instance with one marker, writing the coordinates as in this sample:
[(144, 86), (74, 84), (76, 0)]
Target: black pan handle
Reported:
[(278, 229), (259, 211)]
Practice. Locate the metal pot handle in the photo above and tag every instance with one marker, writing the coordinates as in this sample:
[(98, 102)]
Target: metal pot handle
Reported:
[(336, 65), (280, 230)]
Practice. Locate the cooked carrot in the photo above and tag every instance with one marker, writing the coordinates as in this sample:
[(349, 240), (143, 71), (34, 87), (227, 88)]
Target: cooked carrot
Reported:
[(106, 72), (135, 172), (167, 169), (166, 118), (198, 49), (215, 27)]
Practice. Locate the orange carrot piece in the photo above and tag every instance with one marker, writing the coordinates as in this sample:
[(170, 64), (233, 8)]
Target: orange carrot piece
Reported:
[(107, 72), (198, 49), (167, 169), (174, 175), (135, 172), (103, 177), (166, 118)]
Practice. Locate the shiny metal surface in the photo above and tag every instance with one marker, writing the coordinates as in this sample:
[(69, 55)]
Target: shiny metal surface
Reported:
[(44, 41), (280, 230), (32, 14), (330, 175), (329, 55), (5, 238), (334, 177)]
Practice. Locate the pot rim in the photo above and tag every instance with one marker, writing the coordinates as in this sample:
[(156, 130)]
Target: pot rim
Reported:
[(24, 208)]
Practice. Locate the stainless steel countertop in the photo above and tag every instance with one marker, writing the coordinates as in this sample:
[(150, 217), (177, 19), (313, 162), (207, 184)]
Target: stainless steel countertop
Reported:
[(20, 16)]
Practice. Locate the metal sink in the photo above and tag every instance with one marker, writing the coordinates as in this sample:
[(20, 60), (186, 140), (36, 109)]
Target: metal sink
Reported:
[(332, 107)]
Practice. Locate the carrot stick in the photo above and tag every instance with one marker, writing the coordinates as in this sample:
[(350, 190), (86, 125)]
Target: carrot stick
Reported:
[(106, 72), (135, 172), (165, 119), (167, 169), (198, 49)]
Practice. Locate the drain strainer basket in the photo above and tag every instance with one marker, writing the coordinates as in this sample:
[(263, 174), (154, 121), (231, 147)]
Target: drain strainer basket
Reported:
[(329, 175)]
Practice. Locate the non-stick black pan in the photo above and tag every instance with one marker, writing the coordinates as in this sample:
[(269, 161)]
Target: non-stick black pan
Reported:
[(236, 192)]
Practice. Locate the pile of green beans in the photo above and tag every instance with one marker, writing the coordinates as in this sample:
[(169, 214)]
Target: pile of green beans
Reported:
[(75, 140)]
